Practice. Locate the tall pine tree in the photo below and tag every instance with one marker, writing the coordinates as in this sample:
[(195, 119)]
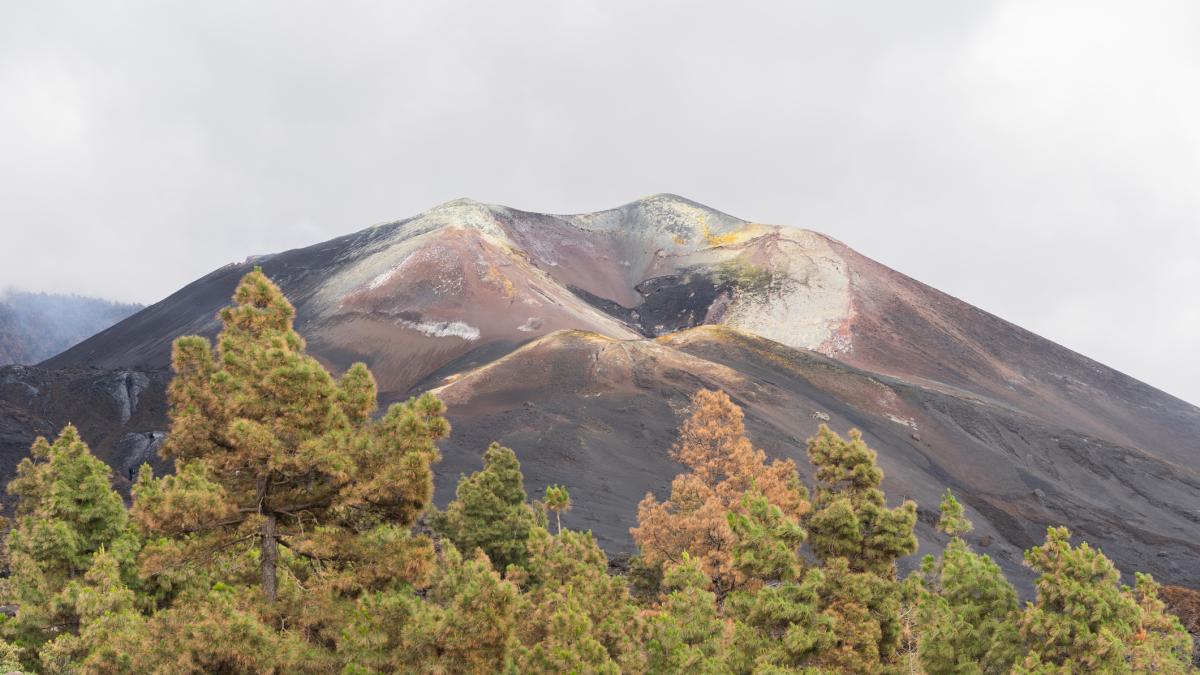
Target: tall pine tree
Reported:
[(272, 450), (723, 465), (967, 609), (490, 511), (66, 514), (850, 518), (858, 540), (578, 616)]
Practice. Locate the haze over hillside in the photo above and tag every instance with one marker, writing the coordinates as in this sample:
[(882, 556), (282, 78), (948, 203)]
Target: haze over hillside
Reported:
[(36, 326), (577, 339)]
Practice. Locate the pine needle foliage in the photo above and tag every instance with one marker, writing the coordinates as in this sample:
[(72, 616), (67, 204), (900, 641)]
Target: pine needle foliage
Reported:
[(272, 449), (967, 610), (490, 511), (850, 518), (557, 500), (1083, 619), (723, 467), (67, 515)]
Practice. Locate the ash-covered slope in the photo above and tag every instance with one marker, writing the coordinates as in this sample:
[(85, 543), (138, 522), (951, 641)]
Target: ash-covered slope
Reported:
[(121, 413), (598, 414), (1029, 432), (904, 328)]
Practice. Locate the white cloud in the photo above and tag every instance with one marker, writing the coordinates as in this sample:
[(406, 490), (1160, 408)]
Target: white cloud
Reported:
[(1038, 160)]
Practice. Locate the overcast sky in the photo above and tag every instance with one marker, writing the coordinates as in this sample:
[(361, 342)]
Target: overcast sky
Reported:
[(1038, 159)]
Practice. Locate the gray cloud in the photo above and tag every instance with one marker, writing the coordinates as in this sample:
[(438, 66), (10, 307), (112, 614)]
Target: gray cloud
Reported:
[(1039, 160)]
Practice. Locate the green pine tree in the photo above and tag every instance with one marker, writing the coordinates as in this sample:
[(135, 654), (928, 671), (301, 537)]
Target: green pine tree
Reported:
[(109, 617), (573, 604), (218, 631), (850, 518), (271, 450), (490, 511), (465, 623), (952, 521), (557, 500), (858, 540), (766, 541), (779, 622), (1083, 620), (687, 633), (567, 642), (782, 626), (967, 610), (1160, 643), (66, 514)]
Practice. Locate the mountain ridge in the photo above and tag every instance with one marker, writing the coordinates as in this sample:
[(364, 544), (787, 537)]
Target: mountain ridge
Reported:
[(663, 295), (36, 326)]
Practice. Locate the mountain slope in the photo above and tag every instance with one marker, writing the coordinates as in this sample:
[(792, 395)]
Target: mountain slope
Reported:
[(36, 326), (473, 299), (575, 404)]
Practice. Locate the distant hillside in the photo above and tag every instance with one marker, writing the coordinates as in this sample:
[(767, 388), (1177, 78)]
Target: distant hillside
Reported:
[(36, 326)]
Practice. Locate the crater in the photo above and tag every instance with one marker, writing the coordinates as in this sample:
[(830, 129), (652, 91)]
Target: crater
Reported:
[(670, 303)]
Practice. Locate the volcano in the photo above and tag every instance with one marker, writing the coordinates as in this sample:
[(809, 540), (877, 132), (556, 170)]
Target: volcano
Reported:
[(577, 340)]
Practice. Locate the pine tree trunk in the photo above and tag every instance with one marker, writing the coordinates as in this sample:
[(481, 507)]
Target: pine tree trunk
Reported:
[(269, 553), (558, 519)]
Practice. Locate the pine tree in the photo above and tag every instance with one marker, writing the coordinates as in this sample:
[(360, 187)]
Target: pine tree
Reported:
[(1081, 619), (862, 610), (766, 541), (10, 658), (1184, 603), (782, 625), (66, 514), (850, 517), (951, 520), (466, 623), (490, 511), (567, 642), (779, 624), (1160, 642), (558, 500), (966, 614), (108, 617), (687, 633), (219, 631), (1084, 620), (272, 450), (858, 540), (723, 467), (574, 605)]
